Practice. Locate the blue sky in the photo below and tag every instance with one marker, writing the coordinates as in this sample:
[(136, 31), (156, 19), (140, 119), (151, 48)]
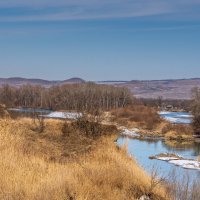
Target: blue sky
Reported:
[(100, 39)]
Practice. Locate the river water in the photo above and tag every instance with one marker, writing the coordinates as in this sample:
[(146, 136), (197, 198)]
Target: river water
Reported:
[(142, 149)]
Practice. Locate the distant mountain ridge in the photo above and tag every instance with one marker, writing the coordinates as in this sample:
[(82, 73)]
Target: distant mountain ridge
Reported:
[(168, 89), (18, 81)]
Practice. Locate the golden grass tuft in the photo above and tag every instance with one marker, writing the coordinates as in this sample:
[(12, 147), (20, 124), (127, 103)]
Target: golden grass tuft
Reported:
[(102, 172)]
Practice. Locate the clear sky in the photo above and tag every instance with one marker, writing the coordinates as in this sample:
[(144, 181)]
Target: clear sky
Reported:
[(100, 39)]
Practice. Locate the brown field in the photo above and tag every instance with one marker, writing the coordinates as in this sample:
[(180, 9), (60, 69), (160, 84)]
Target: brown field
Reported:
[(63, 165)]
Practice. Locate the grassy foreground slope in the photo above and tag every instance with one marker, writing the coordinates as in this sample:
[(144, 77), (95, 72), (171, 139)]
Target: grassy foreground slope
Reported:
[(74, 166)]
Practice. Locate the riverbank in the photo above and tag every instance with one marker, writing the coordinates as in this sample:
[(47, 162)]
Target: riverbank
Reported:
[(170, 136), (61, 163), (146, 122)]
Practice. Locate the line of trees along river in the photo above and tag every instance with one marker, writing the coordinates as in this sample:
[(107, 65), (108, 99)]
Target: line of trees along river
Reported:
[(88, 96)]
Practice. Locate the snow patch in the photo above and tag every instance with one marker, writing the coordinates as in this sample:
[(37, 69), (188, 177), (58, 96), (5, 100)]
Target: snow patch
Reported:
[(187, 164), (167, 158), (131, 133), (164, 112), (63, 115), (179, 161)]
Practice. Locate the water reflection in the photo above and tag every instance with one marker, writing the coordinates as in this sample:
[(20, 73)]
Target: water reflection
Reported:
[(27, 112)]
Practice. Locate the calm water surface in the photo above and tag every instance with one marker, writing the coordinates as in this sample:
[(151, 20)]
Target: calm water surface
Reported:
[(142, 149)]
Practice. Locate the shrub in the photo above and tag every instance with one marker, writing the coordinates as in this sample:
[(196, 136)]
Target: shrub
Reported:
[(92, 128), (3, 111), (67, 129), (142, 115), (38, 124), (177, 129)]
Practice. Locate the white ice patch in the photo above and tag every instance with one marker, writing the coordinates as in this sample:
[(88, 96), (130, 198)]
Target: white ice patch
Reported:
[(131, 133), (187, 164), (176, 117), (184, 163), (63, 115), (164, 112), (167, 158)]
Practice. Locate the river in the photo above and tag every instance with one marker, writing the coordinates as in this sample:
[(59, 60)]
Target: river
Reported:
[(142, 149)]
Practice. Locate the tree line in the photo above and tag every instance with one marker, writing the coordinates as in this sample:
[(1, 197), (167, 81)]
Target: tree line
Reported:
[(87, 96)]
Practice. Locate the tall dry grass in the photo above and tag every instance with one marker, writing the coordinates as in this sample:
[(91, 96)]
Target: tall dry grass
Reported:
[(99, 172), (139, 115), (178, 132)]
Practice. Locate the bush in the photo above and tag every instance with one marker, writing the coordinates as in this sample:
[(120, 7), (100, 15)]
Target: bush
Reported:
[(142, 115), (67, 129), (87, 127), (177, 129), (92, 128), (3, 111)]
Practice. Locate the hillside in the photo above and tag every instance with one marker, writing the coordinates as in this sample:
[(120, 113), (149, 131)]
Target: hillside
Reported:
[(67, 164), (169, 89)]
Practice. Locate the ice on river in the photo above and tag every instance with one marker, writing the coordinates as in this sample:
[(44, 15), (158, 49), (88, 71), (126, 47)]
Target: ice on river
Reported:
[(131, 133), (177, 117), (178, 161)]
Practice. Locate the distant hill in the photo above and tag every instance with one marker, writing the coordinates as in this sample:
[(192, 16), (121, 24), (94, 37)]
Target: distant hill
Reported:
[(168, 89), (73, 80), (18, 81)]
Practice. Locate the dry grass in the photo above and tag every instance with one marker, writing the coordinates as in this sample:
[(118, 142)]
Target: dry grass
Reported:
[(176, 131), (173, 135), (179, 143), (100, 171), (140, 116), (179, 129)]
